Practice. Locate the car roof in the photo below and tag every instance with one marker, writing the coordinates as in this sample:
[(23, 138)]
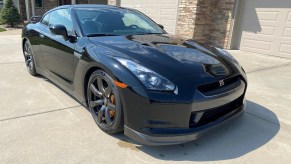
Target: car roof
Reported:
[(88, 6)]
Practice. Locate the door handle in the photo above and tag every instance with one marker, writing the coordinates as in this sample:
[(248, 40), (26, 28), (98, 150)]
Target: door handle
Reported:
[(41, 35)]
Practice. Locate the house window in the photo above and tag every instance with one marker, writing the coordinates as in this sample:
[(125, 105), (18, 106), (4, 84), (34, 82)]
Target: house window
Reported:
[(1, 3), (38, 3), (65, 2)]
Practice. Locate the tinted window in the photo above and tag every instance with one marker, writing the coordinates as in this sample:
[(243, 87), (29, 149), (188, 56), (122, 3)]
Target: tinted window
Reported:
[(115, 22), (62, 17), (45, 20)]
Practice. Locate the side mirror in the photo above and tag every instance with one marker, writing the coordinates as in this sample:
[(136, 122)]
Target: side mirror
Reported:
[(162, 27), (59, 30), (35, 19)]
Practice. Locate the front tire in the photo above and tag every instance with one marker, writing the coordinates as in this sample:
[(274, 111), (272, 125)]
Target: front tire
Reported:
[(28, 58), (104, 102)]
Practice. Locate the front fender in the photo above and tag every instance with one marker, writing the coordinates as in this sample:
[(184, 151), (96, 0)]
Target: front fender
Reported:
[(101, 58)]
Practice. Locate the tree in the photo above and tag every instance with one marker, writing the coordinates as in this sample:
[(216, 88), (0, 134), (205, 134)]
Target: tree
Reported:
[(9, 14)]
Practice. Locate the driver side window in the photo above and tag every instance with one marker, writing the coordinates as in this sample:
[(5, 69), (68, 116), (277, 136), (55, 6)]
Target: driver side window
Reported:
[(62, 17)]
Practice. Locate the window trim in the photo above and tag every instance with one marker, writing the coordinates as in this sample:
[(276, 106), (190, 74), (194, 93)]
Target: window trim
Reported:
[(43, 18)]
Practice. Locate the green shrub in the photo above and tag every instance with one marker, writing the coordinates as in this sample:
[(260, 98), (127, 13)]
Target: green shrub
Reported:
[(2, 29), (9, 14)]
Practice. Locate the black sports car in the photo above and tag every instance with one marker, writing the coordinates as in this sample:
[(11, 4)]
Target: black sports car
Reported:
[(132, 75)]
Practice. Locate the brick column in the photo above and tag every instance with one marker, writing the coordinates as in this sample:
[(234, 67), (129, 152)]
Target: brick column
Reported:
[(186, 18), (47, 5), (207, 21), (221, 22)]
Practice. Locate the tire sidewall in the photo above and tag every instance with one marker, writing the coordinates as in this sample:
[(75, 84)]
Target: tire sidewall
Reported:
[(33, 70)]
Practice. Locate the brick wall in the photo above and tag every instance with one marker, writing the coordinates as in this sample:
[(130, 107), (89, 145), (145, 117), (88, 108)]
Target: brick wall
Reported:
[(207, 21), (221, 22), (186, 18), (47, 5), (82, 1)]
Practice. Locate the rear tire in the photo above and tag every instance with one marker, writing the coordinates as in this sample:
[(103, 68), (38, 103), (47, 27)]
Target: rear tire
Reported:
[(28, 57), (104, 102)]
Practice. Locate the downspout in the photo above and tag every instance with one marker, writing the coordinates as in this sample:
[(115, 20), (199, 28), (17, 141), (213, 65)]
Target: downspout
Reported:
[(27, 10)]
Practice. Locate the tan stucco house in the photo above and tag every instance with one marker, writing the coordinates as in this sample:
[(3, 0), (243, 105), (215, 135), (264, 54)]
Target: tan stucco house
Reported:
[(261, 26)]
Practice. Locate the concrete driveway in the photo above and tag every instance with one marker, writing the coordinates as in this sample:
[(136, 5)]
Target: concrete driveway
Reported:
[(40, 123)]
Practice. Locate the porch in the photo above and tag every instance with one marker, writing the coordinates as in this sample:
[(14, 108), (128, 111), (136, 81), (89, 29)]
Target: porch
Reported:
[(28, 8)]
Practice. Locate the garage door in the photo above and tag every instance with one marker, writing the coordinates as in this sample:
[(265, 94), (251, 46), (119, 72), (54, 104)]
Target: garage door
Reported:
[(265, 27), (161, 11)]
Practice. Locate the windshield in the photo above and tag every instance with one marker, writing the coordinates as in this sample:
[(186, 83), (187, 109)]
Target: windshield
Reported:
[(102, 22)]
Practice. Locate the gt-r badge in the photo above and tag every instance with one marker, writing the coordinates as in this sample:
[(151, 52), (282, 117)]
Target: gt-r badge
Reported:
[(221, 83)]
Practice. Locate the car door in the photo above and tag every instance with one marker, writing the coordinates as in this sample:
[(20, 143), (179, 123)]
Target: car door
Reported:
[(42, 43), (58, 53)]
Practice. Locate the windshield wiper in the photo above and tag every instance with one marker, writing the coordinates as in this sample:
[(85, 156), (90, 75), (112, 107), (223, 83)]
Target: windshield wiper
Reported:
[(95, 35), (148, 33)]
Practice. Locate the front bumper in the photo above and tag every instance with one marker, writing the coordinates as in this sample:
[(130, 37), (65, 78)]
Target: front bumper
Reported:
[(182, 138), (160, 123)]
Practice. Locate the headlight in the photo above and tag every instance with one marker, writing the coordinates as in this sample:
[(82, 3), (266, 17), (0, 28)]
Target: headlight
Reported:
[(149, 78), (227, 54)]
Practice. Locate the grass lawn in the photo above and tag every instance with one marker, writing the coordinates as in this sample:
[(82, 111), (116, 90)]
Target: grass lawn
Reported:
[(2, 29)]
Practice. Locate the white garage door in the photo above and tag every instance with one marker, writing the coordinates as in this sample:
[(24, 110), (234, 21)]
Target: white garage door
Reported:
[(265, 27), (163, 12)]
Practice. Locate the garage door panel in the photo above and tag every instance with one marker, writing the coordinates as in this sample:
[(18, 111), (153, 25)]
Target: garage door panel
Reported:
[(268, 15), (287, 32), (289, 17), (265, 30), (167, 12), (167, 22), (285, 48), (161, 11), (265, 27), (257, 44), (151, 11), (268, 3), (169, 2)]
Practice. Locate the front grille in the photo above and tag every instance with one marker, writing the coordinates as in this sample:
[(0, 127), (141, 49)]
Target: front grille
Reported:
[(210, 115), (213, 86)]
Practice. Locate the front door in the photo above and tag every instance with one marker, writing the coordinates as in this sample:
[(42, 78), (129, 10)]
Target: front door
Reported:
[(59, 61)]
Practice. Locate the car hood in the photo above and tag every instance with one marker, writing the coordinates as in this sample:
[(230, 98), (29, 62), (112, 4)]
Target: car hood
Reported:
[(168, 55)]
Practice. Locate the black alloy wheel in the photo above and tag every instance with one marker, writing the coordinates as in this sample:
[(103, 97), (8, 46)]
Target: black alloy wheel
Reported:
[(28, 58), (104, 102)]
